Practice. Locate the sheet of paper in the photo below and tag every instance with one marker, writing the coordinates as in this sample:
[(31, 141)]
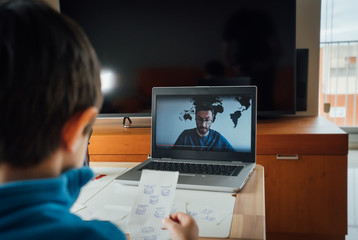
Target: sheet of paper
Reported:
[(103, 176), (123, 196), (218, 201), (153, 202), (178, 207), (111, 213), (202, 213), (114, 194), (76, 207)]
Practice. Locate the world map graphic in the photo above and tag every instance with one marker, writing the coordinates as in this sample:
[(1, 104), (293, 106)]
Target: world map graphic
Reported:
[(244, 103)]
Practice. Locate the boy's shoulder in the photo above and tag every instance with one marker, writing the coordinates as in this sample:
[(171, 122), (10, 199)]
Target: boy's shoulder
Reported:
[(40, 209), (95, 229), (65, 226)]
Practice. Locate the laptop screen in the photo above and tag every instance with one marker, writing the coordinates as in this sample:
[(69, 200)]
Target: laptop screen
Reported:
[(206, 123)]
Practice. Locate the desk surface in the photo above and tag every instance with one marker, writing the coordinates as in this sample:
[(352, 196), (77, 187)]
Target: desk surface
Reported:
[(248, 221)]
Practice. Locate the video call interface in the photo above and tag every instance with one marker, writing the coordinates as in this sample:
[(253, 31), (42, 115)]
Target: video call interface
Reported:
[(204, 123)]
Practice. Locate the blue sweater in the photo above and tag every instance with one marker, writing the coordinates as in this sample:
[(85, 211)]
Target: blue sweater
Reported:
[(39, 209), (214, 141)]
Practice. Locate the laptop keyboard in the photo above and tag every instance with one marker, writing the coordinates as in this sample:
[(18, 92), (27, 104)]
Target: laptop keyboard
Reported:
[(195, 168)]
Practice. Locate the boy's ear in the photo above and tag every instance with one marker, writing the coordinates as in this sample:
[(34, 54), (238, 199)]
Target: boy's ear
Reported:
[(74, 127)]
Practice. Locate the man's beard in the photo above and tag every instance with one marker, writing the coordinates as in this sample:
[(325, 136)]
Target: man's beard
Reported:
[(203, 130)]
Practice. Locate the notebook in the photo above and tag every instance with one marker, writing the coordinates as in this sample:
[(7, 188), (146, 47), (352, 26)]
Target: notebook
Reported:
[(208, 134)]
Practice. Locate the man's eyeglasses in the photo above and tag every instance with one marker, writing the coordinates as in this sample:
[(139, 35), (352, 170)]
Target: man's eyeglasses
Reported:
[(205, 121)]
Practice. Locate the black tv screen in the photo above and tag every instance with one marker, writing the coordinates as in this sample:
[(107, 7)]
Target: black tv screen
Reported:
[(143, 44)]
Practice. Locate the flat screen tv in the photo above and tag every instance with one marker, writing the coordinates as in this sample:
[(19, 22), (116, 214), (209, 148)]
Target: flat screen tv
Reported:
[(143, 44)]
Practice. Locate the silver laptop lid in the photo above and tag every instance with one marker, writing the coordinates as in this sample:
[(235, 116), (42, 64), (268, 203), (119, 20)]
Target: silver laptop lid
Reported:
[(204, 123)]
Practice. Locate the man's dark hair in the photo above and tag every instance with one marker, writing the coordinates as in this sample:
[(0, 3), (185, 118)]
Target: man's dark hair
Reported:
[(204, 106), (49, 71)]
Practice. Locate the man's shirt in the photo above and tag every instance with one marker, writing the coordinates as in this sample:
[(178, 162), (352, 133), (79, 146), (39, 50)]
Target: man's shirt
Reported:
[(213, 141)]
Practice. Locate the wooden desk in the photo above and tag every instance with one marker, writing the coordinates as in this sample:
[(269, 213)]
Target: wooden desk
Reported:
[(248, 221), (305, 161)]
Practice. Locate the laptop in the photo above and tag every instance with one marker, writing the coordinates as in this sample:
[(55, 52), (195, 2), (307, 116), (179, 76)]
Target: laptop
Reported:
[(208, 134)]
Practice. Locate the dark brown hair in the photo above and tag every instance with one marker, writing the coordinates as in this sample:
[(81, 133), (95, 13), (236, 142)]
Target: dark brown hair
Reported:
[(49, 71)]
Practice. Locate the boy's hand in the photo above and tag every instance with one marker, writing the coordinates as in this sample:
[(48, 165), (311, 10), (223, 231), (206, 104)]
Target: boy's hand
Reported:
[(181, 226)]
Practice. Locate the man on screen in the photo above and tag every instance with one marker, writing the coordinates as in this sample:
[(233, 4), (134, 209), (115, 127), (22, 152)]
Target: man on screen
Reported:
[(202, 137)]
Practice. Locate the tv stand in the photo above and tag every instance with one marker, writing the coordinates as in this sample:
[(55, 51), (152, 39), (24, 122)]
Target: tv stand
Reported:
[(136, 122)]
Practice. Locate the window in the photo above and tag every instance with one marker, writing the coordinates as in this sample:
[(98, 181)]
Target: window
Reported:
[(338, 96)]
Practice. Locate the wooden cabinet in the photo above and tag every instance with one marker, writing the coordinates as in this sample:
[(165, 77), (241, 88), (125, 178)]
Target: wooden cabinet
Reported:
[(307, 195), (111, 142), (305, 161)]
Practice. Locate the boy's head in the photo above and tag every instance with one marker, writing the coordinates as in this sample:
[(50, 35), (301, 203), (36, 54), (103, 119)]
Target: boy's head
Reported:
[(49, 77)]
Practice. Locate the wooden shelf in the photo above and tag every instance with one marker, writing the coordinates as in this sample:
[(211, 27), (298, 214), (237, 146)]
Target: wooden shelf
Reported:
[(111, 142), (300, 135)]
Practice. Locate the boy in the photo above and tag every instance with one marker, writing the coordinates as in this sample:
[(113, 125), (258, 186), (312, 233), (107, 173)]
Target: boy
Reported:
[(49, 97)]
